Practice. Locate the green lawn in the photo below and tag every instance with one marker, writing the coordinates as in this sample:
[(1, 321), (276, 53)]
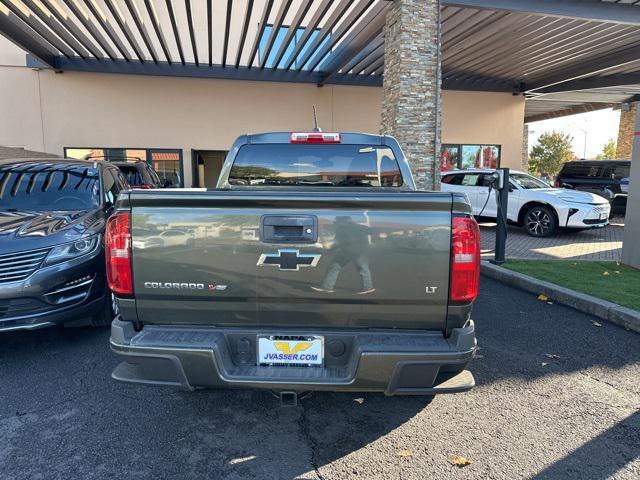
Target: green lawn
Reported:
[(607, 280)]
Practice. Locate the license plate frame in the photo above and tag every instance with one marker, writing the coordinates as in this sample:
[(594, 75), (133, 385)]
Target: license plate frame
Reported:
[(292, 346)]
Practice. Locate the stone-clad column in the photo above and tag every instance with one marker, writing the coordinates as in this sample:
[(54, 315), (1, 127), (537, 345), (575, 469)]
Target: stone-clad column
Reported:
[(411, 88), (625, 132)]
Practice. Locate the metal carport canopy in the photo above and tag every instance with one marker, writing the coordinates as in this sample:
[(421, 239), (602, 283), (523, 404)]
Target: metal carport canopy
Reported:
[(541, 48)]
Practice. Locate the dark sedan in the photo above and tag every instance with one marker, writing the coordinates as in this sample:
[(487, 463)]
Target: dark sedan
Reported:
[(52, 218)]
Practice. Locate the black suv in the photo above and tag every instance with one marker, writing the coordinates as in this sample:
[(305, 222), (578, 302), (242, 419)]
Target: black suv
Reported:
[(607, 178), (138, 173), (52, 219)]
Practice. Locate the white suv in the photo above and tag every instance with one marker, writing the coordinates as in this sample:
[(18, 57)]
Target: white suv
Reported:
[(533, 204)]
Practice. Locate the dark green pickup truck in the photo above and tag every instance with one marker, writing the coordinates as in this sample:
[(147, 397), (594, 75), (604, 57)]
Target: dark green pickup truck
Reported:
[(314, 265)]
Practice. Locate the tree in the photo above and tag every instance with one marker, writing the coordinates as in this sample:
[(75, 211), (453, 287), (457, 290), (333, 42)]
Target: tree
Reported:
[(548, 155), (608, 151)]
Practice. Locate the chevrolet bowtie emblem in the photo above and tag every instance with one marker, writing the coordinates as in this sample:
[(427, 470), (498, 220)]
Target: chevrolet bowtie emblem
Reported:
[(289, 259)]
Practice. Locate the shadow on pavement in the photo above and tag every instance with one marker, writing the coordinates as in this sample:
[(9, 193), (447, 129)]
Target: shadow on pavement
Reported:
[(597, 452), (518, 333)]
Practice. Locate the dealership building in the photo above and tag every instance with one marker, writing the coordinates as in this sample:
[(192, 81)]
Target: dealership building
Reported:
[(174, 82)]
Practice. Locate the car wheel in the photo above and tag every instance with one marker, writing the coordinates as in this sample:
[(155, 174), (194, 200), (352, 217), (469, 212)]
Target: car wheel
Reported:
[(108, 312), (540, 221)]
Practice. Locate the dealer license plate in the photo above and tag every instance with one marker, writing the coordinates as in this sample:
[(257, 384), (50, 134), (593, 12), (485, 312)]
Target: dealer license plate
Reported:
[(291, 350)]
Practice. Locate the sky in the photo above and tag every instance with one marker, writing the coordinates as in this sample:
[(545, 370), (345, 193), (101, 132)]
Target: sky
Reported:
[(596, 127)]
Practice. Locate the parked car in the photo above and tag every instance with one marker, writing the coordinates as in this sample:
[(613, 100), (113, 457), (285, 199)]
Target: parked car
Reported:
[(166, 238), (353, 277), (52, 218), (607, 178), (533, 204), (139, 173)]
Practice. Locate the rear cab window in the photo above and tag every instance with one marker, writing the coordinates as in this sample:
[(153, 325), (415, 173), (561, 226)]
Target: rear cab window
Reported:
[(340, 165), (576, 170), (132, 174), (617, 172)]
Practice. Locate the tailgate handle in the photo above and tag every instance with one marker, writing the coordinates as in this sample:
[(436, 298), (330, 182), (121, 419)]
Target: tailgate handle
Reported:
[(289, 229)]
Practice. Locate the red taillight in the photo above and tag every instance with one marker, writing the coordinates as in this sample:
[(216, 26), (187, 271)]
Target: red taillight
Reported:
[(118, 254), (465, 260), (143, 186), (315, 137)]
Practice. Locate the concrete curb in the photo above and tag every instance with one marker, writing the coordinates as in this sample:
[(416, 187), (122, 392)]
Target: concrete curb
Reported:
[(609, 311)]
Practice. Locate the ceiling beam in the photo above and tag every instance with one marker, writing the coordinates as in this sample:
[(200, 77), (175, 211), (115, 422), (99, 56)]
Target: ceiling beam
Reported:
[(56, 27), (142, 29), (308, 31), (291, 31), (102, 19), (16, 14), (264, 18), (593, 10), (227, 28), (16, 31), (124, 27), (355, 16), (362, 39), (275, 30), (245, 26), (588, 68), (326, 30), (156, 27), (83, 17), (587, 83), (176, 32), (165, 69), (570, 110)]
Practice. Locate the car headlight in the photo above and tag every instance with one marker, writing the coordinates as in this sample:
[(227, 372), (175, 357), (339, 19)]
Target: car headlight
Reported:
[(71, 250)]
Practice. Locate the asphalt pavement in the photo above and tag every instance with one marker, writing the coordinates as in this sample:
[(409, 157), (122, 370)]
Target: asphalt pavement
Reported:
[(558, 397)]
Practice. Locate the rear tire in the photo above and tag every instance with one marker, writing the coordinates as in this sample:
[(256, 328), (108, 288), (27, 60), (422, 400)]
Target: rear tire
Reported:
[(540, 221)]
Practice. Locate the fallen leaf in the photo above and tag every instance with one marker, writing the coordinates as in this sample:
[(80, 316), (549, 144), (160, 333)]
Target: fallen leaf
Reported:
[(359, 400), (549, 303), (459, 461), (544, 364), (552, 355), (542, 297), (616, 272), (605, 273), (405, 453), (596, 324)]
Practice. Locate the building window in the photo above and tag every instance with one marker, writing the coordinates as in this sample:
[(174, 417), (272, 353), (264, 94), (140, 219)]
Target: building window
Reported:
[(461, 156), (167, 162)]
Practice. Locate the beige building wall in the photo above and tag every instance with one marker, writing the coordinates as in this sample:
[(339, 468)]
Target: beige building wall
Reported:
[(485, 118), (48, 111)]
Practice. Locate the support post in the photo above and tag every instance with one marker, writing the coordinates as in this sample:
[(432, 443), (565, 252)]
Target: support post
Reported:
[(502, 200), (631, 245), (411, 87)]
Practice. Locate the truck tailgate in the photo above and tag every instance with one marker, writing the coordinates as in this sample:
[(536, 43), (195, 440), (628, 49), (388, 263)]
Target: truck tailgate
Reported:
[(336, 259)]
